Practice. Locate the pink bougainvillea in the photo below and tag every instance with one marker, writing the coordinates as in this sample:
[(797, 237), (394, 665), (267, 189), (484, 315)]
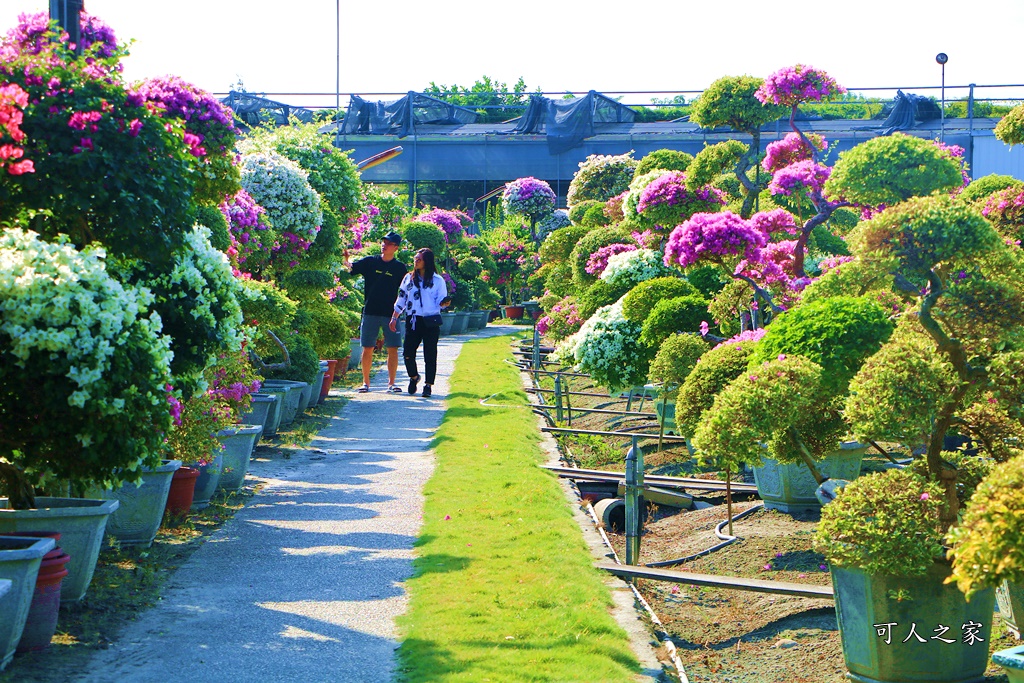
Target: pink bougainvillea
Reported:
[(793, 85), (803, 176), (453, 223), (598, 261), (13, 101), (790, 150), (715, 236), (776, 220)]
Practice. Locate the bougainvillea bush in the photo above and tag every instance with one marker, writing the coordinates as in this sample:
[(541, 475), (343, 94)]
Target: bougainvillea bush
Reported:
[(634, 266), (562, 320), (601, 177), (84, 368), (13, 101), (452, 222), (253, 239), (529, 197), (607, 347), (666, 202), (107, 167)]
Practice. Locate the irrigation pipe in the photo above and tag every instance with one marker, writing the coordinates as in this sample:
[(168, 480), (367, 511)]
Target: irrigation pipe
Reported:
[(726, 540), (662, 634)]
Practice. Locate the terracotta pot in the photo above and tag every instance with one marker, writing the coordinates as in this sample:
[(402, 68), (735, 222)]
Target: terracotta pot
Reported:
[(41, 623), (332, 368), (183, 486), (514, 312)]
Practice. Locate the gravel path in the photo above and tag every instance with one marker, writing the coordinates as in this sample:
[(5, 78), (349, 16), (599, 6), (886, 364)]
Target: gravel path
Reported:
[(305, 582)]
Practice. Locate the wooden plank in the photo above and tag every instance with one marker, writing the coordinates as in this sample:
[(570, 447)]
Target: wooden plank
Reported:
[(656, 479), (801, 590)]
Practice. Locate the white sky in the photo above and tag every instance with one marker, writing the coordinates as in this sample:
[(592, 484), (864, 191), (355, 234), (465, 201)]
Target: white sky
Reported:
[(387, 47)]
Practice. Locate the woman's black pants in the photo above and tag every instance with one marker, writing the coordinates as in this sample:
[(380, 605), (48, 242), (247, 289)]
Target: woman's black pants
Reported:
[(428, 336)]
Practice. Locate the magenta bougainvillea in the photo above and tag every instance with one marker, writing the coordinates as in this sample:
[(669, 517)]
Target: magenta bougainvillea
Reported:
[(666, 201), (713, 236), (13, 100), (29, 35), (793, 85), (251, 236), (803, 176), (529, 197), (775, 220), (598, 261), (790, 150), (453, 223)]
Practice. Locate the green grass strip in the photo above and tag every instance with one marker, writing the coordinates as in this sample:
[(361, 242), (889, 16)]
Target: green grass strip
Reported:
[(504, 587)]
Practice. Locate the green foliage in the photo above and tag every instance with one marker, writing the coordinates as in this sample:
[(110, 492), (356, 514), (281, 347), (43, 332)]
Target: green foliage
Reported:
[(708, 279), (884, 523), (210, 217), (924, 232), (838, 334), (663, 159), (558, 245), (1010, 128), (981, 188), (601, 177), (194, 440), (307, 284), (899, 390), (493, 101), (264, 303), (678, 314), (890, 169), (823, 242), (601, 293), (986, 547), (642, 299), (579, 210), (675, 359), (558, 277), (590, 243), (754, 408), (325, 328), (846, 106), (422, 234), (730, 101), (326, 250), (713, 161), (715, 369), (595, 217), (305, 363)]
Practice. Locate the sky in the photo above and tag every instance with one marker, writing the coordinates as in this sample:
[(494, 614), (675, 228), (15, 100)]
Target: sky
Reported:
[(291, 46)]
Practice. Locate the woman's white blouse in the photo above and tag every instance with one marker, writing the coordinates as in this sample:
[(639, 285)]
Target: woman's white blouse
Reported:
[(416, 299)]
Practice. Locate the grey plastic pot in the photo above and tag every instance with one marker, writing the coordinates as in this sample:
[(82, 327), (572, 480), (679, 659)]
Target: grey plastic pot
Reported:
[(237, 443), (80, 521), (273, 422), (293, 393), (19, 566), (790, 487), (259, 410), (137, 518)]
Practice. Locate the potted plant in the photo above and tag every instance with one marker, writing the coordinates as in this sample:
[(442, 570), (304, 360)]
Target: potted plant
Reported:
[(193, 441), (673, 363), (20, 558)]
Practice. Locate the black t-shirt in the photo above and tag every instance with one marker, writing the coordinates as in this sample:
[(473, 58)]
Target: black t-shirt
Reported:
[(382, 279)]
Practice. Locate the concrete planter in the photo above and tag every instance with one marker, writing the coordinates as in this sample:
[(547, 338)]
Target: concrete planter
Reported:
[(666, 411), (1012, 661), (461, 323), (317, 387), (237, 443), (273, 422), (259, 411), (305, 396), (206, 483), (873, 628), (447, 321), (292, 396), (1010, 598), (356, 356), (80, 521), (19, 566), (140, 509), (790, 488), (480, 319)]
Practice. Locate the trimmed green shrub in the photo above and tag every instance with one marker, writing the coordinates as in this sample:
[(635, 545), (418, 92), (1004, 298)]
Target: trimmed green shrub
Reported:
[(708, 279), (577, 212), (601, 177), (590, 243), (713, 161), (715, 369), (595, 217), (679, 314), (601, 293), (666, 159), (422, 234), (981, 188), (305, 363), (675, 359), (642, 299), (730, 101), (211, 217), (559, 244)]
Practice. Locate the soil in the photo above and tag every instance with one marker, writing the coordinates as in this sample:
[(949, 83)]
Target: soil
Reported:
[(724, 635)]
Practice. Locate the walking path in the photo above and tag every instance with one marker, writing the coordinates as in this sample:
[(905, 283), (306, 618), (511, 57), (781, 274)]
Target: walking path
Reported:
[(305, 582)]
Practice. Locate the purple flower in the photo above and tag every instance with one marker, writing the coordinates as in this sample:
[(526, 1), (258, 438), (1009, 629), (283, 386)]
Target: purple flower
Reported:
[(793, 85), (529, 197), (451, 222), (713, 236)]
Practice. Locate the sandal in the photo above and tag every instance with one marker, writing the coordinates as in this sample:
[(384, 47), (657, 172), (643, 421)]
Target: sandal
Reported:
[(365, 389), (392, 389)]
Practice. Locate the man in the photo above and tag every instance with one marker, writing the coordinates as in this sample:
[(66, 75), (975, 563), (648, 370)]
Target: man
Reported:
[(381, 277)]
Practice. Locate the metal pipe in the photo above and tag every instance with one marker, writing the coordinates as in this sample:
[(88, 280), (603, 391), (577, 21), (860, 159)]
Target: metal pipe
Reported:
[(631, 497), (562, 430)]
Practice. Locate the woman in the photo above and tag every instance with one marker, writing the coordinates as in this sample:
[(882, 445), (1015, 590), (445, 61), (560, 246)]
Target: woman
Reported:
[(421, 296)]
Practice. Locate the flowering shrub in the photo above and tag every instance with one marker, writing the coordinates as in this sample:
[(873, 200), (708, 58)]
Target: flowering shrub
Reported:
[(636, 188), (513, 264), (634, 266), (106, 167), (529, 197), (679, 314), (790, 150), (794, 85), (712, 372), (607, 348), (94, 358), (598, 261), (731, 101), (33, 32), (231, 381), (641, 299), (12, 101), (805, 177), (210, 133), (291, 204), (453, 223), (252, 238), (1010, 128), (192, 439), (601, 177), (714, 236), (198, 301), (559, 218), (563, 320), (1005, 210), (666, 201)]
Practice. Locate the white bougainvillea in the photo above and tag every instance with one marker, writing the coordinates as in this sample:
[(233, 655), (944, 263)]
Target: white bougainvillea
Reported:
[(634, 267), (282, 188), (606, 347)]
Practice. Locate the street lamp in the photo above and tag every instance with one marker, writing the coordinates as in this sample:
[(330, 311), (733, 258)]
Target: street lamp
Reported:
[(337, 73), (942, 58)]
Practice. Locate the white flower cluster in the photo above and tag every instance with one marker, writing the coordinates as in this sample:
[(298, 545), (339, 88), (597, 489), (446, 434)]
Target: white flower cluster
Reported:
[(634, 267), (606, 347), (281, 187), (59, 304), (559, 218)]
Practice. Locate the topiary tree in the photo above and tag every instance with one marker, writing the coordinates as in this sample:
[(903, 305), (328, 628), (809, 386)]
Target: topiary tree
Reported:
[(600, 178), (641, 300), (667, 201), (675, 360), (668, 316), (980, 188), (588, 245), (715, 369), (1010, 128), (730, 101), (1005, 210), (422, 234), (606, 347), (663, 159), (97, 364)]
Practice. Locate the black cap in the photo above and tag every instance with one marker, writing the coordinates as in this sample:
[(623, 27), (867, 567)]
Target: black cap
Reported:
[(393, 237)]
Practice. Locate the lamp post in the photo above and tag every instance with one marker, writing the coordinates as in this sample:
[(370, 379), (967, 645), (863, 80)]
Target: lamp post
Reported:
[(337, 72), (942, 58)]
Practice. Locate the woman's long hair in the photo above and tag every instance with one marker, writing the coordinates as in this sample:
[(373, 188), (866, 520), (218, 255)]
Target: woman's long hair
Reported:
[(429, 269)]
